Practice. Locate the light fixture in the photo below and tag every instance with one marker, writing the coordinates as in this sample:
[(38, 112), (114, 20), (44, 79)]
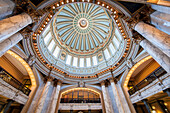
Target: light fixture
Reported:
[(153, 111), (53, 7)]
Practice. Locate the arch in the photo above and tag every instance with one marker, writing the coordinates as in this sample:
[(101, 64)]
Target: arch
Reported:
[(27, 67), (90, 87), (93, 88), (133, 69)]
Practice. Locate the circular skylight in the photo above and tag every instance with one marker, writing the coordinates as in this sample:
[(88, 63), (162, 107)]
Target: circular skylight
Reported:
[(82, 28)]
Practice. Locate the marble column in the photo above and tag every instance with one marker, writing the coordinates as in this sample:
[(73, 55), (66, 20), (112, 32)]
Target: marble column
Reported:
[(158, 55), (167, 91), (147, 105), (105, 98), (162, 106), (9, 43), (116, 96), (12, 25), (135, 106), (155, 36), (6, 8), (161, 8), (161, 21), (124, 100), (55, 97), (43, 96)]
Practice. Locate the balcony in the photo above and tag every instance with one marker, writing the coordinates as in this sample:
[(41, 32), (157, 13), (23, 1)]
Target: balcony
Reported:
[(82, 100), (148, 80), (8, 78)]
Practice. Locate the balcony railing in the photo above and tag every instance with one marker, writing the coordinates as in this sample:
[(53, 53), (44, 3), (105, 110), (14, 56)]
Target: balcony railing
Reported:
[(149, 79), (4, 75), (82, 100)]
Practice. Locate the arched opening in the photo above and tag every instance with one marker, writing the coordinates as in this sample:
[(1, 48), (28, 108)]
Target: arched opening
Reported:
[(144, 85), (18, 79), (27, 67), (133, 69), (80, 99)]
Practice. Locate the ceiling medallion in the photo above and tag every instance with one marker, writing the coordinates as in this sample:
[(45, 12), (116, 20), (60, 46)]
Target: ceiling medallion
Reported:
[(83, 23)]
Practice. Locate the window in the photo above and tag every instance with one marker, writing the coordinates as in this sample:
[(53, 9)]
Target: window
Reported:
[(88, 62), (75, 60), (47, 38), (81, 62), (52, 44), (46, 30), (68, 60), (94, 58), (112, 49), (56, 52), (107, 54), (116, 42), (118, 34)]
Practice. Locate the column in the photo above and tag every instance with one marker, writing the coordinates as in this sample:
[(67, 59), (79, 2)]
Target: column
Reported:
[(11, 25), (162, 106), (116, 96), (9, 43), (158, 55), (135, 106), (105, 98), (147, 105), (7, 106), (55, 97), (161, 21), (71, 111), (167, 91), (125, 100), (155, 36), (6, 8), (43, 96)]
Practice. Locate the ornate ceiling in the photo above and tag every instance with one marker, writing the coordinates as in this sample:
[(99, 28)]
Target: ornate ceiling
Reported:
[(82, 40), (83, 28)]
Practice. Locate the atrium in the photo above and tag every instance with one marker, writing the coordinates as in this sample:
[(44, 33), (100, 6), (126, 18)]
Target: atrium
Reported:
[(84, 56)]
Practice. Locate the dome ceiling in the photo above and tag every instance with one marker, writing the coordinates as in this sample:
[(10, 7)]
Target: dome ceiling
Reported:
[(80, 39), (82, 28)]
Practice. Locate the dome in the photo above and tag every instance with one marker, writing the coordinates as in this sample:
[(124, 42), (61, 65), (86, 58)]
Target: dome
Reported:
[(82, 38), (82, 28)]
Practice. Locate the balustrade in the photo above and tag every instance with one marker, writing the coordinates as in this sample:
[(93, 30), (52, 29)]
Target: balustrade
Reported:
[(82, 100), (149, 79), (4, 75)]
